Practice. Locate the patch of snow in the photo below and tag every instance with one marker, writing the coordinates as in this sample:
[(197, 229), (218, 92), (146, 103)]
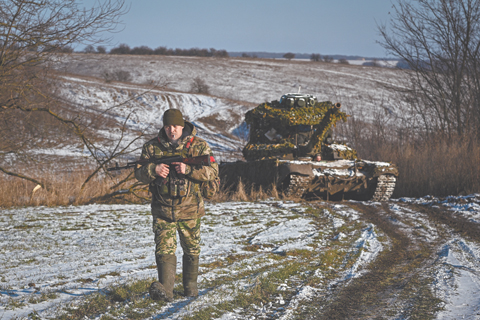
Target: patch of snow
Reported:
[(457, 280)]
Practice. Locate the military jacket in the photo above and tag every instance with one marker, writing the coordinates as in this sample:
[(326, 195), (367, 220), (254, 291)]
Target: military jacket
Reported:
[(190, 204)]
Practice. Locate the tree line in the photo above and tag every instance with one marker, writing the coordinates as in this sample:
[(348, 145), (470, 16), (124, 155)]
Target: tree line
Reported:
[(164, 51)]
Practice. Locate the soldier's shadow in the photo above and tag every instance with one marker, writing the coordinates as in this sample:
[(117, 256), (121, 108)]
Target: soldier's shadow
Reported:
[(176, 306)]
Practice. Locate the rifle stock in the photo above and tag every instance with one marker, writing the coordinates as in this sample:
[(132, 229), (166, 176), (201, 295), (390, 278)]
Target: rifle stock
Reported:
[(204, 160)]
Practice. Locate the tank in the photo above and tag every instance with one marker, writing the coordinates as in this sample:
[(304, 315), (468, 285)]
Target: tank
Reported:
[(290, 146)]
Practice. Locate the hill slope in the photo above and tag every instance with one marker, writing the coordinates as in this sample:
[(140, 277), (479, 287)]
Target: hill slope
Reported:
[(358, 88), (235, 85)]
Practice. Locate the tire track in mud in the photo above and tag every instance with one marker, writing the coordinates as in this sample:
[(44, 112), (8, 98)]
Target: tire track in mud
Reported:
[(457, 223), (396, 283)]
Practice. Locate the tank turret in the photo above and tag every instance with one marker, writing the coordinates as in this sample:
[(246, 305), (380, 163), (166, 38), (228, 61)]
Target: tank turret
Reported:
[(296, 126)]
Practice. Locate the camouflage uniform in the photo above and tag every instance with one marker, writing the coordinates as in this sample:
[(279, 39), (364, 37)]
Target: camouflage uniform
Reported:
[(177, 207)]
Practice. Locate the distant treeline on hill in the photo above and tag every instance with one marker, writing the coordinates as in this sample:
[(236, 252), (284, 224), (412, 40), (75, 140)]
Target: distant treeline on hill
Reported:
[(197, 52), (144, 50)]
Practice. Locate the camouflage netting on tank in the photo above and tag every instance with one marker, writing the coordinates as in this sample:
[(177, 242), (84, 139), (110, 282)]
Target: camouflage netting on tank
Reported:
[(272, 128), (330, 119), (262, 151), (273, 112), (380, 170), (349, 154), (342, 151)]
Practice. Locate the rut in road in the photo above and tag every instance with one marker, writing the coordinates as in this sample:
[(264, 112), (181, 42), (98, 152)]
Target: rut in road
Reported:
[(397, 282), (458, 223)]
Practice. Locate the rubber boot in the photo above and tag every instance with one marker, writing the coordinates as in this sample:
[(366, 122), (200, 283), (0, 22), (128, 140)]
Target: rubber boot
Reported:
[(166, 267), (190, 275)]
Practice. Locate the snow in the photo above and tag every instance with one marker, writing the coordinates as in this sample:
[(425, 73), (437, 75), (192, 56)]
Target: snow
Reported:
[(468, 206), (359, 88), (458, 281), (456, 272), (77, 250), (370, 246), (141, 105)]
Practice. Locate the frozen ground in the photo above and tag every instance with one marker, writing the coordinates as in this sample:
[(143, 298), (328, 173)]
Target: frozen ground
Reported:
[(141, 108), (362, 90), (53, 256)]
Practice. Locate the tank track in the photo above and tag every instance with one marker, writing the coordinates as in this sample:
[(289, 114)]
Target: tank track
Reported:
[(382, 192), (384, 188), (297, 185)]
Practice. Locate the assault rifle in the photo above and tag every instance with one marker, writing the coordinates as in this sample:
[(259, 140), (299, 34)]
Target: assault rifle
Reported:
[(205, 160)]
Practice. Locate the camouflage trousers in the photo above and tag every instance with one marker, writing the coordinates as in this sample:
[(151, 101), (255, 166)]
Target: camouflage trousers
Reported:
[(166, 236)]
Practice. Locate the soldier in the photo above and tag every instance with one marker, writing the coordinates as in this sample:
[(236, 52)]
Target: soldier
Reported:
[(177, 203)]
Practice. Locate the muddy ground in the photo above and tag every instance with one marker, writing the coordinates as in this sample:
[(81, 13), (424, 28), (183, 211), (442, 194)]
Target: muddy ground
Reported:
[(270, 259), (404, 280)]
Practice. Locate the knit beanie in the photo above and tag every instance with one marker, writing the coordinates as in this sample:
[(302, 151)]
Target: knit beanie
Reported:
[(173, 117)]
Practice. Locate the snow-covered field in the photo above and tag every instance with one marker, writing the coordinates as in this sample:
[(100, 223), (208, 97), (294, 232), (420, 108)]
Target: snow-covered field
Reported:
[(141, 109), (235, 85), (51, 257), (362, 90)]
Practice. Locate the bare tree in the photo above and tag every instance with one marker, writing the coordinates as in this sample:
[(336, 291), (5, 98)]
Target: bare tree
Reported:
[(123, 48), (289, 55), (101, 49), (328, 59), (89, 49), (315, 57), (198, 85), (440, 42), (32, 34)]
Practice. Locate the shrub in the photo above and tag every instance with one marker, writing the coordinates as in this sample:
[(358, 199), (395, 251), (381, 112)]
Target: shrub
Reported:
[(141, 50), (65, 189), (101, 49), (373, 63), (328, 59), (429, 165), (121, 49), (89, 49), (117, 75), (198, 85), (316, 57)]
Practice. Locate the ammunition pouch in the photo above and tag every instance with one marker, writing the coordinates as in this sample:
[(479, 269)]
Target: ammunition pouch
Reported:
[(174, 186), (178, 188)]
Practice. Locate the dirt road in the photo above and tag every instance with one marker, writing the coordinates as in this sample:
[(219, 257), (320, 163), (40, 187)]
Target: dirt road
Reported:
[(430, 269)]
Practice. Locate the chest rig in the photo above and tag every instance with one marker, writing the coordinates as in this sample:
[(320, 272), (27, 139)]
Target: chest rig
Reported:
[(175, 185)]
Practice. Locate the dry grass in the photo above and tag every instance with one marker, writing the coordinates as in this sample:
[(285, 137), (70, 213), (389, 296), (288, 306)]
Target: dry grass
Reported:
[(436, 166), (63, 189), (249, 193)]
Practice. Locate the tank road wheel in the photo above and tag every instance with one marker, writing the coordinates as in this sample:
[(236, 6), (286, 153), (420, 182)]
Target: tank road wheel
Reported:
[(384, 188), (296, 185)]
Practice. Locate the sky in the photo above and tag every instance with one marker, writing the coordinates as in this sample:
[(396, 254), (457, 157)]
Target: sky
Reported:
[(347, 27)]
